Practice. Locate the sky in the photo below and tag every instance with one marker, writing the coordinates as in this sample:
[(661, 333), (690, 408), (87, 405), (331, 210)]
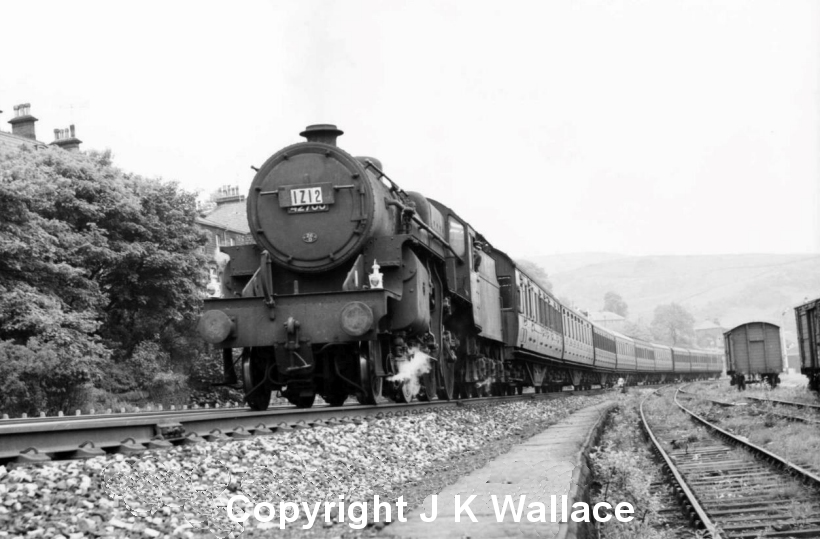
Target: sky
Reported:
[(641, 127)]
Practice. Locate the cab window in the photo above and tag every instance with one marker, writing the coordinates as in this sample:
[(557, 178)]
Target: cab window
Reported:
[(456, 236)]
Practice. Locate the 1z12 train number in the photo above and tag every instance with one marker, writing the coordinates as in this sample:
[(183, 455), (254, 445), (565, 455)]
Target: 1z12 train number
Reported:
[(307, 200), (310, 196)]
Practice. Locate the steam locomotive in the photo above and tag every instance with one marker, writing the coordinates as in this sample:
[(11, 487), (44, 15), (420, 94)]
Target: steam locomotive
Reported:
[(352, 280)]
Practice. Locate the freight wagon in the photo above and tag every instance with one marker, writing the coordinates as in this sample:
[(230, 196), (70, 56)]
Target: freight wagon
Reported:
[(808, 341), (753, 350)]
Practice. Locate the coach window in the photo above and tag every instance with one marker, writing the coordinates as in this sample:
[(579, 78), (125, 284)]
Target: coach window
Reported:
[(506, 292), (526, 301), (535, 307), (519, 300), (529, 303), (528, 307), (456, 236), (534, 304)]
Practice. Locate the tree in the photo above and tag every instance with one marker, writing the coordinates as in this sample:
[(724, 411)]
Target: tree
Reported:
[(93, 262), (536, 273), (614, 303), (637, 330), (673, 324)]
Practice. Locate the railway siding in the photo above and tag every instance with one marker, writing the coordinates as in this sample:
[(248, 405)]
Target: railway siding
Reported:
[(732, 493)]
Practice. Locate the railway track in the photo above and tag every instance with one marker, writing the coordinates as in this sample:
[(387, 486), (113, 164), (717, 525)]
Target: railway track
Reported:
[(729, 493), (755, 400), (33, 440), (794, 404)]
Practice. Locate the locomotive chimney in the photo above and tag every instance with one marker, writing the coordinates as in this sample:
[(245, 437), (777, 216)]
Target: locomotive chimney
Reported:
[(324, 133), (23, 122)]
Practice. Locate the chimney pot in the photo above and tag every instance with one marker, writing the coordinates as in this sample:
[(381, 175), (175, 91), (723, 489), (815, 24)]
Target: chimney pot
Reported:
[(66, 139), (324, 133)]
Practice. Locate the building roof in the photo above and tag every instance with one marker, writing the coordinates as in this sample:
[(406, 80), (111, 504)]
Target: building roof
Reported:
[(213, 224), (229, 215), (708, 324), (12, 142), (605, 316)]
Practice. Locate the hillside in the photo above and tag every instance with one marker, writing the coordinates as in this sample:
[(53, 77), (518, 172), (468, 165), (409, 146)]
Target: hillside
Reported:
[(555, 264), (731, 288)]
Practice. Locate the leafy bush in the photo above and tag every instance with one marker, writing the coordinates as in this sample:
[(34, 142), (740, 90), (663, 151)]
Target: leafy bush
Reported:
[(44, 377), (624, 470), (100, 273), (169, 388)]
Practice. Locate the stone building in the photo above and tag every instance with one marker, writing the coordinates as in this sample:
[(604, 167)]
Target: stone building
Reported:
[(226, 224), (709, 335), (609, 320)]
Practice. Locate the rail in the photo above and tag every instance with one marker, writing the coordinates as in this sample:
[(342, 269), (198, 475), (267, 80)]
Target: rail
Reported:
[(807, 476), (788, 403), (697, 515), (41, 439), (787, 417)]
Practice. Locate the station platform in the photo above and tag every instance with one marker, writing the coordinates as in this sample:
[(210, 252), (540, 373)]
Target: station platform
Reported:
[(552, 463)]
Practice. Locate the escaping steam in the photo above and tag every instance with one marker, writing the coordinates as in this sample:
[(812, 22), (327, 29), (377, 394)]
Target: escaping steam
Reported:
[(411, 371)]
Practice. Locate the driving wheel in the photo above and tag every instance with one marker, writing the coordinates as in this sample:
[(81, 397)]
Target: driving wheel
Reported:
[(370, 382), (257, 390)]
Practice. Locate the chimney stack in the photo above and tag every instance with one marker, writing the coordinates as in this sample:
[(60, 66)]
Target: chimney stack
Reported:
[(23, 122), (324, 133), (66, 139)]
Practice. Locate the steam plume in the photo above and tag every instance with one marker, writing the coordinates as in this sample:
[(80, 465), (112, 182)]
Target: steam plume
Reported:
[(411, 371)]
